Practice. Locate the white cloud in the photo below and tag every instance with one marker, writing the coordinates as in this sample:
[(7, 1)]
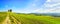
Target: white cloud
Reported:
[(48, 1), (33, 4), (50, 6)]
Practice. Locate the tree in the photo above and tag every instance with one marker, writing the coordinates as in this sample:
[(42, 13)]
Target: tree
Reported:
[(10, 10)]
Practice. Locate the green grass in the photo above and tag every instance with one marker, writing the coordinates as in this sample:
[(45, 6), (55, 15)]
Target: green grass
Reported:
[(30, 18), (2, 16)]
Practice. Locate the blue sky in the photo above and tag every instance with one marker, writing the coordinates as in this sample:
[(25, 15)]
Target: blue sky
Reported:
[(31, 6)]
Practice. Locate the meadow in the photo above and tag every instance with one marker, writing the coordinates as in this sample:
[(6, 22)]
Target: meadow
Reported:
[(21, 18)]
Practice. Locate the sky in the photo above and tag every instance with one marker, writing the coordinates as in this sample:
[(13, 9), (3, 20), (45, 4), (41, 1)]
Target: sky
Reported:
[(31, 6)]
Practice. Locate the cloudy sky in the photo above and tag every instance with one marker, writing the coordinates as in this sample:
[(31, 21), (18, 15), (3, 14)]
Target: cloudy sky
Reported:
[(31, 6)]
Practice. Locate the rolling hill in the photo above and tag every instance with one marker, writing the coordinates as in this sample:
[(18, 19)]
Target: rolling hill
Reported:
[(14, 18)]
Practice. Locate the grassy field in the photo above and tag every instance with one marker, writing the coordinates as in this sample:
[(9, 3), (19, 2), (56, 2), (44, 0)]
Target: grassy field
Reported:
[(14, 18)]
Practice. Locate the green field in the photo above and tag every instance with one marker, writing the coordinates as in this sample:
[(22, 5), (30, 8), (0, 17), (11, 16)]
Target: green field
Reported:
[(14, 18)]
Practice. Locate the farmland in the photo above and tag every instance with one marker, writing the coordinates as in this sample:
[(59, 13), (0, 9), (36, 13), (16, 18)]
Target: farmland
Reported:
[(15, 18)]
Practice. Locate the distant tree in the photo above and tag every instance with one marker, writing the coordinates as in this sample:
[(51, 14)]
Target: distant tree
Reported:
[(10, 10)]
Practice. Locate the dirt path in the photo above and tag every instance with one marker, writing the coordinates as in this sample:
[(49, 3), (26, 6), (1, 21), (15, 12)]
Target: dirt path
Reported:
[(7, 20)]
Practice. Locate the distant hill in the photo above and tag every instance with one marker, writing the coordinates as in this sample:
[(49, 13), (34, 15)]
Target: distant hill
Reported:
[(44, 14)]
